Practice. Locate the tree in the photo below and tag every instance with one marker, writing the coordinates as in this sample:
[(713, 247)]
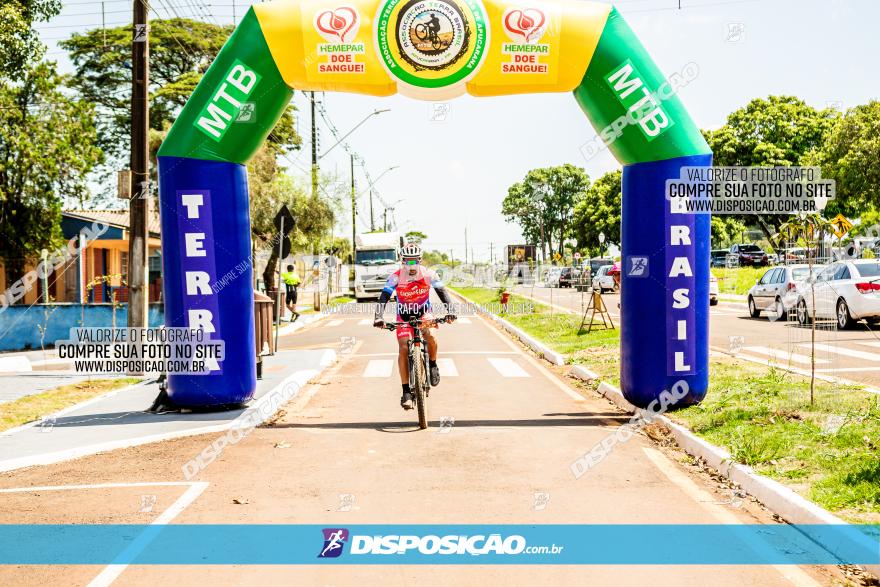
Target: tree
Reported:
[(314, 215), (180, 52), (850, 155), (543, 203), (415, 235), (777, 131), (599, 212), (47, 147), (20, 45)]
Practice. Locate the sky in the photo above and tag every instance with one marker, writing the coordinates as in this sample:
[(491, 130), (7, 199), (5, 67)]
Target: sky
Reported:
[(453, 171)]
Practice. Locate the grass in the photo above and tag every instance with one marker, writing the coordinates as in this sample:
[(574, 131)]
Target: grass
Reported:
[(828, 452), (34, 407), (739, 280)]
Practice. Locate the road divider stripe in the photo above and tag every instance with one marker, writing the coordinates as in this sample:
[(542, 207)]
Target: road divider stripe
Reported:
[(447, 368), (782, 355), (379, 368), (507, 367), (336, 322), (844, 351)]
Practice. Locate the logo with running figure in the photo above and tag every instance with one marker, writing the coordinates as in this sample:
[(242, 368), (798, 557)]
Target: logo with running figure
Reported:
[(334, 541), (432, 43)]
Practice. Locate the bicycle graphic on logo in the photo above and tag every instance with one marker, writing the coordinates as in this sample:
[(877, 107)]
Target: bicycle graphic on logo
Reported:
[(427, 32)]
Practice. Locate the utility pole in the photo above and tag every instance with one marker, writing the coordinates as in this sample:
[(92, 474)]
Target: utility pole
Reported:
[(385, 220), (353, 209), (465, 245), (491, 253), (315, 152), (372, 225), (139, 205)]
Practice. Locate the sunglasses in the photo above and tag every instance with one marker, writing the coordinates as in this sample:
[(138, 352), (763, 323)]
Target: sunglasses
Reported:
[(410, 261)]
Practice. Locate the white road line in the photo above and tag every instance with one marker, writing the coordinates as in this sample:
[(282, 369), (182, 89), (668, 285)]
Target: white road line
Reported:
[(871, 343), (507, 368), (101, 486), (710, 504), (442, 353), (463, 320), (834, 349), (849, 369), (781, 355), (334, 323), (365, 322), (534, 362), (379, 368), (112, 571), (447, 368)]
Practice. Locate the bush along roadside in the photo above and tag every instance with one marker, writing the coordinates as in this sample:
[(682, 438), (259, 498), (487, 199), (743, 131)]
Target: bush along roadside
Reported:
[(827, 451)]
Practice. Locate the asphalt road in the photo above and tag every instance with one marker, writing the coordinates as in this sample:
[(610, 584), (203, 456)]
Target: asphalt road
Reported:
[(849, 354), (505, 430)]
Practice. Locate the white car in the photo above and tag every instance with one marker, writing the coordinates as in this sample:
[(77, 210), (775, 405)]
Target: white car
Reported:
[(845, 291), (714, 292), (776, 291), (602, 281)]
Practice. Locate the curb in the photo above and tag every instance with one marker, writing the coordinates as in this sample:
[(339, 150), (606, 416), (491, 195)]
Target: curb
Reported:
[(300, 378), (783, 501), (542, 350)]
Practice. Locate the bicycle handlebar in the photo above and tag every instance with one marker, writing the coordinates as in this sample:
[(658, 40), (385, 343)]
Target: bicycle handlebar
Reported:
[(415, 323)]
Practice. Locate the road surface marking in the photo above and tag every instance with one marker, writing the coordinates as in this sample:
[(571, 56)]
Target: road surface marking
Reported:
[(334, 323), (463, 320), (844, 351), (443, 353), (849, 369), (379, 368), (447, 368), (534, 362), (365, 322), (507, 368), (781, 355), (112, 571), (873, 343), (710, 504)]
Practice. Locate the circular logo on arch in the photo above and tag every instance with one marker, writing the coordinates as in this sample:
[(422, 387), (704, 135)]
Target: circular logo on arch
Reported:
[(431, 43)]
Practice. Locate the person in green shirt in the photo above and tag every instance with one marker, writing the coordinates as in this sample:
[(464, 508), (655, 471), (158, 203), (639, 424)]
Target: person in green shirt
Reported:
[(291, 281)]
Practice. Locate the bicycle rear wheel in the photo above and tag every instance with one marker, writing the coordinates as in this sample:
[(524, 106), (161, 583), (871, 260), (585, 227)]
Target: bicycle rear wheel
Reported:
[(420, 386)]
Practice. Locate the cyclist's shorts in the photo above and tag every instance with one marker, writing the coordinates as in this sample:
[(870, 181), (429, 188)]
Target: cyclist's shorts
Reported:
[(406, 331)]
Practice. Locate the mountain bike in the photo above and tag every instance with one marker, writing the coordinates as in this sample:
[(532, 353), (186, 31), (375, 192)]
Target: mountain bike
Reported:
[(426, 33), (417, 353)]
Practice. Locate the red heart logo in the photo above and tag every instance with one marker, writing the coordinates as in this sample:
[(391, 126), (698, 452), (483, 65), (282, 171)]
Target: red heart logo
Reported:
[(527, 24), (337, 23)]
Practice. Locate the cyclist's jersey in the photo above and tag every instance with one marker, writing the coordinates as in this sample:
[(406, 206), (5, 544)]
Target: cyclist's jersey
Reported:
[(413, 291)]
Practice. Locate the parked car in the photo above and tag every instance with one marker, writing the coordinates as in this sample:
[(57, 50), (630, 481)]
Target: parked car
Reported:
[(777, 289), (552, 277), (604, 281), (569, 276), (846, 291), (718, 257), (749, 254), (713, 290), (596, 264)]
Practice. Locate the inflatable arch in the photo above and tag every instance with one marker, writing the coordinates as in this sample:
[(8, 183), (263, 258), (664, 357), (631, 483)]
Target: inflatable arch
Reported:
[(434, 50)]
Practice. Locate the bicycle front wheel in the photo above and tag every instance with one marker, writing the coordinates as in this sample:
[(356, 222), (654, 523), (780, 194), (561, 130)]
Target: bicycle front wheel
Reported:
[(421, 32), (420, 386)]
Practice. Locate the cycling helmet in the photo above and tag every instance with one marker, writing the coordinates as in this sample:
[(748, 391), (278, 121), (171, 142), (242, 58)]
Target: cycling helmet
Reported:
[(411, 251)]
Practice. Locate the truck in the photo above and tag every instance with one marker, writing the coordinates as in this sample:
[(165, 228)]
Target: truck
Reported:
[(375, 259)]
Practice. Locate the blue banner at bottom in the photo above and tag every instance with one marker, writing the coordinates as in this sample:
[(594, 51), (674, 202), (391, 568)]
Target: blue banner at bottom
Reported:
[(673, 544)]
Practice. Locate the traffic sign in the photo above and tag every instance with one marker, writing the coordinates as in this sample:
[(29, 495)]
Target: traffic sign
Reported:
[(557, 256), (289, 222), (577, 255), (840, 225)]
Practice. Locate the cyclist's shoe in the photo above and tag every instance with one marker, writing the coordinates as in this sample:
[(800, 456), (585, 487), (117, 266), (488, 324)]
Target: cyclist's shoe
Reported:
[(435, 375), (406, 401)]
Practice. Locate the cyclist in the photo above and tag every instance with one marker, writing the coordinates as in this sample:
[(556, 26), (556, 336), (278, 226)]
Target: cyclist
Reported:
[(413, 283), (291, 281), (433, 25)]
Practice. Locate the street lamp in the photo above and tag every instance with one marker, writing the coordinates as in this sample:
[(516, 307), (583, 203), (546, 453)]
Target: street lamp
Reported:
[(601, 243), (357, 126), (370, 188)]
